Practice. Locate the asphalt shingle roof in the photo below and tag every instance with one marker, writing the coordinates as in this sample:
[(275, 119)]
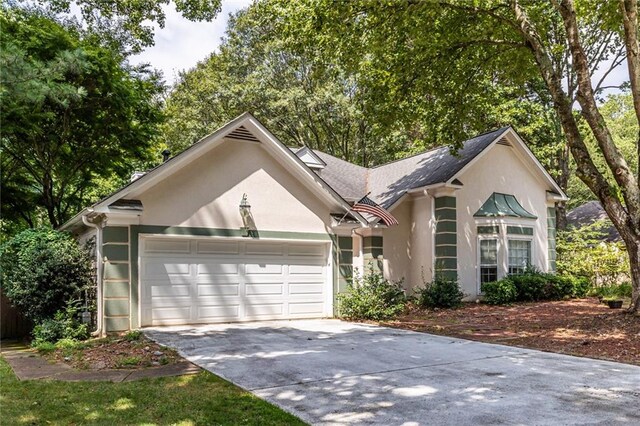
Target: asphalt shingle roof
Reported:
[(388, 182)]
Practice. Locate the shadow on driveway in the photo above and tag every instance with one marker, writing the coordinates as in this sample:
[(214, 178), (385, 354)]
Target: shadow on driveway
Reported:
[(334, 372)]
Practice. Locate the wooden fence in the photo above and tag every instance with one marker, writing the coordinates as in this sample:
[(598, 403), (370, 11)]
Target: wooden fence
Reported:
[(12, 324)]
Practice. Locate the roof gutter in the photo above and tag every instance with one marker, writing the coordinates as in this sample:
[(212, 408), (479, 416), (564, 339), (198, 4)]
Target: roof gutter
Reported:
[(99, 266)]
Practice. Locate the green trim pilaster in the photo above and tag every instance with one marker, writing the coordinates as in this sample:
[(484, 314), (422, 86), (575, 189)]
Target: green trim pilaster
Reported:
[(343, 247), (446, 238), (116, 283), (551, 238)]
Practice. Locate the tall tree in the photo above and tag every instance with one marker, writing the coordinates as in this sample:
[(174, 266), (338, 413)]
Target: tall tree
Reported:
[(304, 101), (435, 59), (133, 20), (73, 113)]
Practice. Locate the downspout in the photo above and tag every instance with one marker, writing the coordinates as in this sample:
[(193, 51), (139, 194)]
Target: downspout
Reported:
[(98, 228)]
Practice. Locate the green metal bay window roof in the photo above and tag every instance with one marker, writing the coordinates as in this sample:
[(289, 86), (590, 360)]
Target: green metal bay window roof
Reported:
[(500, 205)]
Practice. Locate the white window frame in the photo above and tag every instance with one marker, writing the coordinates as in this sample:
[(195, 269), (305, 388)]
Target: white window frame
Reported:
[(517, 237), (499, 249), (503, 243)]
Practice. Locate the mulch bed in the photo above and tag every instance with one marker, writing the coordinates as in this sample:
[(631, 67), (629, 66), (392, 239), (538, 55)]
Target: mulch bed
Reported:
[(117, 353), (582, 327)]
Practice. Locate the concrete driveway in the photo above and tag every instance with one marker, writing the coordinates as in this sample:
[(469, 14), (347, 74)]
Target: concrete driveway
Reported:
[(333, 372)]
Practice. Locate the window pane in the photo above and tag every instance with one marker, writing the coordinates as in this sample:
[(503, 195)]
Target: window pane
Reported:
[(488, 261), (519, 255), (488, 252), (488, 274)]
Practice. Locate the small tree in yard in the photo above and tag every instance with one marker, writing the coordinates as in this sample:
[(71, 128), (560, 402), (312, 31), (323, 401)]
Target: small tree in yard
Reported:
[(42, 270)]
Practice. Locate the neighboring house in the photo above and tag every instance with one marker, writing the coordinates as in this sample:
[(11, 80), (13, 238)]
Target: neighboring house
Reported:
[(589, 213), (182, 244)]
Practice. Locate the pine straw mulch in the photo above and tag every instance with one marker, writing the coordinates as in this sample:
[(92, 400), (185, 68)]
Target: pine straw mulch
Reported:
[(116, 352), (582, 327)]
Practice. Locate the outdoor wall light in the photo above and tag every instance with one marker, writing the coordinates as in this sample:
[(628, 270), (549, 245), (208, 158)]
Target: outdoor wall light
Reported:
[(245, 213)]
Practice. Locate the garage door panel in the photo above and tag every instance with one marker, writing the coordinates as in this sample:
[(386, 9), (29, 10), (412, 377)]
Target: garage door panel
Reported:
[(217, 281), (168, 302), (168, 280), (217, 269), (169, 245), (306, 308), (218, 312), (263, 268), (306, 288), (175, 313), (160, 269), (253, 310), (216, 289), (306, 269), (267, 249), (306, 250), (264, 289), (170, 290), (217, 247)]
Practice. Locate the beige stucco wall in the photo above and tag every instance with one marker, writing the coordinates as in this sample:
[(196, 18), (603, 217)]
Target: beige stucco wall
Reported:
[(397, 246), (500, 170), (421, 241), (207, 193)]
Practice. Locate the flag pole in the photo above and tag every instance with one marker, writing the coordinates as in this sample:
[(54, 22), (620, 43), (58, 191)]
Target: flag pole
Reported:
[(347, 212)]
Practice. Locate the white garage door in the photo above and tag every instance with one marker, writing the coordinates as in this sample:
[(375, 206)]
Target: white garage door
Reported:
[(200, 280)]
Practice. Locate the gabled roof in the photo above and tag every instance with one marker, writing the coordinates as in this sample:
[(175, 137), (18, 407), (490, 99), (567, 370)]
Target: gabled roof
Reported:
[(337, 181), (244, 127), (389, 182)]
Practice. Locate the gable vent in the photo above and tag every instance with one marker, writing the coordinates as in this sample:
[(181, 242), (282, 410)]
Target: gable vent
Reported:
[(243, 134), (504, 142)]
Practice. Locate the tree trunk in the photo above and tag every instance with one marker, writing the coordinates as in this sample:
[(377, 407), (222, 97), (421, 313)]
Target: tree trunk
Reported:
[(633, 250)]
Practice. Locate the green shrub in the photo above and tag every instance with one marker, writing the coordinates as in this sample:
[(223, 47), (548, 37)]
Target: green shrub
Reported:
[(534, 285), (132, 336), (441, 293), (372, 298), (66, 343), (500, 292), (42, 269), (580, 286), (615, 291), (558, 287), (531, 285), (582, 252), (44, 347), (128, 361), (63, 325)]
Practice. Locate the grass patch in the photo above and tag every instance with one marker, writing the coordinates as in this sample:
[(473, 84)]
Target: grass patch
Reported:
[(201, 399), (129, 361)]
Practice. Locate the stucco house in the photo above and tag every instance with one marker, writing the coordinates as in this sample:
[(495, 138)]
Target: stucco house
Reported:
[(240, 227)]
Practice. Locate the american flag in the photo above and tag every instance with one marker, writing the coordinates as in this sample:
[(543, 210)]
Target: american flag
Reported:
[(367, 205)]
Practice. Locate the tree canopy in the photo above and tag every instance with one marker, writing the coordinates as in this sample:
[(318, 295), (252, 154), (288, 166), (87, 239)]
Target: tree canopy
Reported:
[(133, 20), (74, 116), (441, 62)]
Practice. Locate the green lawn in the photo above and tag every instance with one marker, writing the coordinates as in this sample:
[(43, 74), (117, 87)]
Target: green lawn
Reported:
[(202, 399)]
